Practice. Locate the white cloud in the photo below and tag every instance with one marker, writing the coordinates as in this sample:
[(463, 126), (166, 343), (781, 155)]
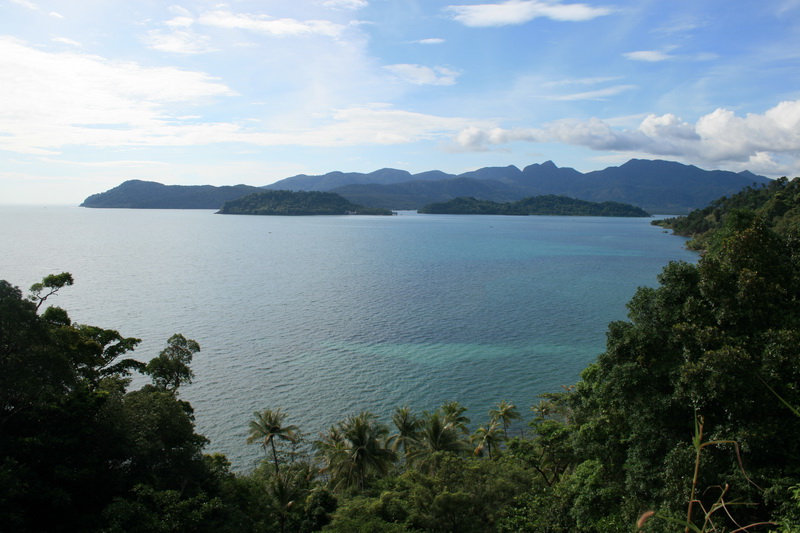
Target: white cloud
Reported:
[(26, 4), (521, 11), (54, 100), (430, 41), (345, 4), (650, 56), (178, 42), (271, 26), (51, 100), (421, 75), (64, 40), (581, 81), (599, 94), (755, 141), (34, 7)]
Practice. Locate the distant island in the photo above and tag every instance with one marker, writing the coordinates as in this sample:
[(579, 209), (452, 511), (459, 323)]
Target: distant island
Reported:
[(549, 204), (138, 194), (301, 203), (656, 186)]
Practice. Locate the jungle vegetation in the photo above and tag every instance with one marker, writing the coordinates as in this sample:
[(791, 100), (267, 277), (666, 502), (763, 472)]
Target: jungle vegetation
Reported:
[(688, 421), (776, 203), (548, 204)]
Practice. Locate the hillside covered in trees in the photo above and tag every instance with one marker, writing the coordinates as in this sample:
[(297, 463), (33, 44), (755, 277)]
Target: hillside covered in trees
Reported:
[(688, 421), (776, 203), (656, 186), (296, 204), (138, 194), (536, 205)]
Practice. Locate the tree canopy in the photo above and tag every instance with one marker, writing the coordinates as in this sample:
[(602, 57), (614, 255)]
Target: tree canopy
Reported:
[(688, 420), (549, 204), (296, 203)]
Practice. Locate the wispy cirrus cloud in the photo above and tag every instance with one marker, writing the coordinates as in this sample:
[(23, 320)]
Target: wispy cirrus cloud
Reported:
[(64, 40), (422, 75), (522, 11), (180, 37), (54, 100), (57, 99), (267, 25), (345, 4), (597, 94), (650, 56), (185, 42)]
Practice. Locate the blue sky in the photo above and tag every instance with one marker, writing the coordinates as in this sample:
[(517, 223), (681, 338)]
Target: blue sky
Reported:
[(99, 91)]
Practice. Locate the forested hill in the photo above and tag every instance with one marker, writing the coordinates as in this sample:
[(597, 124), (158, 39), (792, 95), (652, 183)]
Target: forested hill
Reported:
[(537, 205), (296, 203), (777, 204), (138, 194), (656, 186)]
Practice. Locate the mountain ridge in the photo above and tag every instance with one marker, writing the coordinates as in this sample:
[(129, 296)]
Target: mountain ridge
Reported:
[(656, 186)]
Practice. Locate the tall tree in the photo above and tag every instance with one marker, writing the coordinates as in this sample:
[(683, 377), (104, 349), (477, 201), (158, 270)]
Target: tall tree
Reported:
[(453, 413), (267, 427), (505, 413), (358, 451), (408, 425), (171, 368), (486, 438), (437, 437)]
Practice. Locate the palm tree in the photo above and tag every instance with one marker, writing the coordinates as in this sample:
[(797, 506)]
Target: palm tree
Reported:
[(267, 427), (330, 449), (408, 425), (437, 436), (487, 438), (505, 413), (454, 416), (355, 449), (366, 447), (286, 488)]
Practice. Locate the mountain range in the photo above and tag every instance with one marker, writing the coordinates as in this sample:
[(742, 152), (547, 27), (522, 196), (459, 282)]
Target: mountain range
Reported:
[(654, 185)]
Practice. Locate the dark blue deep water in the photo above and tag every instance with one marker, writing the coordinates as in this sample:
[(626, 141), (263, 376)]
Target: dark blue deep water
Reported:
[(328, 316)]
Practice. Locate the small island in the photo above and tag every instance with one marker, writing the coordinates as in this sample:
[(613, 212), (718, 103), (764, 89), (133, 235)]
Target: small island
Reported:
[(296, 203), (535, 205)]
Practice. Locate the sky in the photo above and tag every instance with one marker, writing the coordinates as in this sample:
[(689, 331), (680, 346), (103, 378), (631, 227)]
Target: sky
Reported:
[(96, 92)]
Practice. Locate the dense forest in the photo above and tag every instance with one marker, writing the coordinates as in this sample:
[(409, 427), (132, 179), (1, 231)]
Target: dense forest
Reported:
[(777, 204), (296, 203), (548, 204), (688, 421)]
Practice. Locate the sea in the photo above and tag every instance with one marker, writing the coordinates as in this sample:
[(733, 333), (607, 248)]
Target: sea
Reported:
[(328, 316)]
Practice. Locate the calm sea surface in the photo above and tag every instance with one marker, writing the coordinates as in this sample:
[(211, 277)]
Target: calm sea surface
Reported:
[(328, 316)]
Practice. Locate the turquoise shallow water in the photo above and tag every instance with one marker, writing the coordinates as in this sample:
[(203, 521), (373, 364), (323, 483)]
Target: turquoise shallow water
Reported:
[(328, 316)]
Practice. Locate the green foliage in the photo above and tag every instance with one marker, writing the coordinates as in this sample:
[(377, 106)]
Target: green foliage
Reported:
[(535, 205), (171, 368), (699, 342), (355, 451), (267, 428), (76, 443), (777, 204), (720, 338), (53, 282), (296, 203)]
